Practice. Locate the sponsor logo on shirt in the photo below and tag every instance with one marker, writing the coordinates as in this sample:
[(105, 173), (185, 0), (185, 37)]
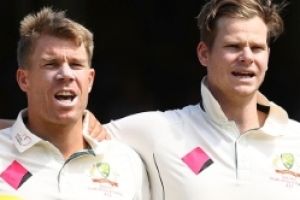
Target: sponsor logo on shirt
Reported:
[(287, 169)]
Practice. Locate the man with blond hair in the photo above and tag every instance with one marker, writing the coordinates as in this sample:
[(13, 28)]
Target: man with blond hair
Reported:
[(48, 153)]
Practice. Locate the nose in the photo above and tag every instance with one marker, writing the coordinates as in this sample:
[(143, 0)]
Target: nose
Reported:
[(65, 73), (246, 56)]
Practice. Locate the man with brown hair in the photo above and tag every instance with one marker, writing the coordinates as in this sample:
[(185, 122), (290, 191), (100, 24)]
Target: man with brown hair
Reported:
[(234, 144), (47, 153)]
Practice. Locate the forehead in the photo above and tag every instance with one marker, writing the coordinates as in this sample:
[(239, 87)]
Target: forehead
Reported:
[(253, 29), (50, 46)]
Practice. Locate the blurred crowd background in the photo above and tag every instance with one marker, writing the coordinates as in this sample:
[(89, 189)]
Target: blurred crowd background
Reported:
[(145, 57)]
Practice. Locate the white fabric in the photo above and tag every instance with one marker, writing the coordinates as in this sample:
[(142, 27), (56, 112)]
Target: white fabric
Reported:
[(260, 164), (117, 170)]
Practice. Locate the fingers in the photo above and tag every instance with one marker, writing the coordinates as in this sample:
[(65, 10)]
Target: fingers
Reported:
[(96, 130), (99, 133)]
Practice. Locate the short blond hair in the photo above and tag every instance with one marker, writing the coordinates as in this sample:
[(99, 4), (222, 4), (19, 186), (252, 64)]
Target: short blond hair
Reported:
[(53, 23)]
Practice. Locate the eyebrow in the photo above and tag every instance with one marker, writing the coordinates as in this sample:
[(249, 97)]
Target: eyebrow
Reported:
[(47, 58)]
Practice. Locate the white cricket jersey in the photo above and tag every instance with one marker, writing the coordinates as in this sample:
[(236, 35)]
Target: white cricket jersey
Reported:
[(34, 169), (196, 153)]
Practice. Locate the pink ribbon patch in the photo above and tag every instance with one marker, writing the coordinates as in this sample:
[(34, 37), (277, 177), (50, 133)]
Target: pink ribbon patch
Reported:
[(197, 160), (15, 174)]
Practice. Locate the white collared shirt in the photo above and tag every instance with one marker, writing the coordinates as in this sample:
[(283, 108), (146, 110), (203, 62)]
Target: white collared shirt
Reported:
[(197, 153), (34, 169)]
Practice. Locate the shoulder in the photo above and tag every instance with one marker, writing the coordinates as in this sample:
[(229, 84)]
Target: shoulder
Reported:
[(4, 123), (122, 157), (5, 135), (293, 125), (8, 150), (183, 114), (118, 150), (7, 144), (151, 118), (125, 166)]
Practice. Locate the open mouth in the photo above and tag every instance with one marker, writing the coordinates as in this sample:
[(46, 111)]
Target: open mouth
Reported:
[(65, 96), (243, 74)]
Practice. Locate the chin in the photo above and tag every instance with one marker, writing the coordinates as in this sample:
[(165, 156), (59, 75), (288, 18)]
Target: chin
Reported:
[(65, 120), (68, 118), (245, 91)]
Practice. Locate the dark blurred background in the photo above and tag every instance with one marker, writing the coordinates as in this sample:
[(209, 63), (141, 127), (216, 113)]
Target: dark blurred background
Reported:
[(145, 56)]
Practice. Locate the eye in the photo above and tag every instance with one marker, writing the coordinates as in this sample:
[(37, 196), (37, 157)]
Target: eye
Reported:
[(232, 47), (76, 65), (258, 48), (50, 65)]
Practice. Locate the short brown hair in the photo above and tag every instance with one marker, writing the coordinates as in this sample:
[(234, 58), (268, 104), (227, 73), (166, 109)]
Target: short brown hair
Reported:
[(213, 10), (49, 22)]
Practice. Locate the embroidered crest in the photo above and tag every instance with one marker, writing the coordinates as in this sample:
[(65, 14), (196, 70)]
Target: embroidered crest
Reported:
[(287, 169), (284, 164), (100, 173)]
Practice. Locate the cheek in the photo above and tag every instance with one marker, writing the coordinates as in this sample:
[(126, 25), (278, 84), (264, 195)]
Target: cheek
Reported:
[(42, 78), (36, 96), (39, 87), (84, 84), (217, 68), (223, 60), (88, 80), (263, 61), (264, 66)]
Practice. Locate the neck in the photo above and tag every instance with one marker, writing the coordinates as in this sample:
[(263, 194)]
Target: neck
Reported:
[(67, 138), (243, 111)]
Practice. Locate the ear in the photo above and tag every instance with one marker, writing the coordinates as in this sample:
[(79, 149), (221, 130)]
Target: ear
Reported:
[(203, 53), (91, 78), (22, 79)]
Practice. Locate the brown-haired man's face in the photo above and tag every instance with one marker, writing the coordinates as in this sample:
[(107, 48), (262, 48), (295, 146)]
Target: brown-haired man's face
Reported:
[(238, 59)]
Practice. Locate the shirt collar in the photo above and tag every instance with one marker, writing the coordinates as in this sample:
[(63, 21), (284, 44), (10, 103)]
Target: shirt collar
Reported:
[(91, 141), (24, 139), (274, 125)]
